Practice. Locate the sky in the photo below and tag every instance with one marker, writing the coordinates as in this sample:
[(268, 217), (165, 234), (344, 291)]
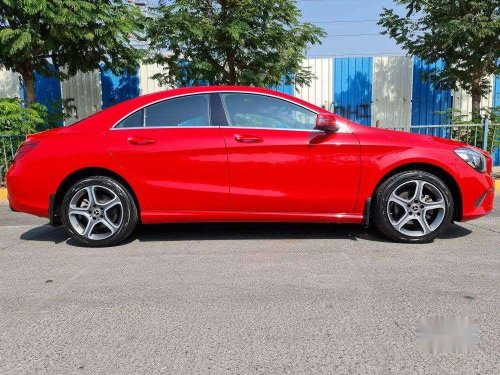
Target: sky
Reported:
[(328, 13), (341, 20)]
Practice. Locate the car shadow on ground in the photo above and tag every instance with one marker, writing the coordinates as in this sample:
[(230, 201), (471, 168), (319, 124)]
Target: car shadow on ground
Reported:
[(237, 231)]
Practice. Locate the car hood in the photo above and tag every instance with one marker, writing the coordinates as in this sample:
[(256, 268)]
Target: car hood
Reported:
[(404, 138)]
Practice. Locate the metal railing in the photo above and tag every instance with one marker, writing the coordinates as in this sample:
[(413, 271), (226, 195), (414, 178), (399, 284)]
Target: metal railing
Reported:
[(485, 136), (8, 148)]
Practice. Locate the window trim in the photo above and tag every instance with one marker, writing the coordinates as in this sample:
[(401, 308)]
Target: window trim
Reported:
[(143, 108), (209, 109)]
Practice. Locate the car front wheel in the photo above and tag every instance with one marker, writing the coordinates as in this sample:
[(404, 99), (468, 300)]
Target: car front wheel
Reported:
[(99, 211), (413, 206)]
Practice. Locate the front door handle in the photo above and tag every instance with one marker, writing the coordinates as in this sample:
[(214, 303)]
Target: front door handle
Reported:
[(140, 141), (247, 138)]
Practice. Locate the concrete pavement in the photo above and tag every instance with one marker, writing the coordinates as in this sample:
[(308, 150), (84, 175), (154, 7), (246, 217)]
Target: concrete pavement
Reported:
[(243, 299)]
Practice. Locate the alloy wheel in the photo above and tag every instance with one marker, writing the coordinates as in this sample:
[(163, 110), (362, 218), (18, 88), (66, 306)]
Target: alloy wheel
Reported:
[(416, 208), (95, 212)]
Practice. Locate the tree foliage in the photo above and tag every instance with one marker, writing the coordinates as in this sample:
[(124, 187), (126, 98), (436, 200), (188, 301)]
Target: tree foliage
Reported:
[(464, 34), (244, 42), (18, 119), (76, 35)]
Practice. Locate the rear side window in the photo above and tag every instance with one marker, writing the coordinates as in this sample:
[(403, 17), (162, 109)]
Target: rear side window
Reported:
[(184, 111), (132, 121)]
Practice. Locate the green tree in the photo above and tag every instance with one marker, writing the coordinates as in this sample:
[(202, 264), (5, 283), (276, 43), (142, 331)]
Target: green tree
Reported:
[(464, 34), (236, 42), (75, 35)]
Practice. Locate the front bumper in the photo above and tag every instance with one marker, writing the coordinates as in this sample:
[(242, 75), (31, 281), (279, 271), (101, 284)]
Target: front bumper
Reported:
[(478, 197)]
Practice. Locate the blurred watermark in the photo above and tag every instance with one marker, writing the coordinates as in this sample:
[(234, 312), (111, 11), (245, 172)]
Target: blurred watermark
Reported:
[(447, 334)]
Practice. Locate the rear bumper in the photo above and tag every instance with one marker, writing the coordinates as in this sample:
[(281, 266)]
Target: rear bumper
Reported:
[(27, 192)]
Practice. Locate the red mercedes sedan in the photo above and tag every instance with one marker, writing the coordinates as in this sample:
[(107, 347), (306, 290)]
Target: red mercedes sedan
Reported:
[(243, 154)]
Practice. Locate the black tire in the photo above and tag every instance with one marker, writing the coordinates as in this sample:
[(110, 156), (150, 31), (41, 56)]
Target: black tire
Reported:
[(381, 208), (120, 228)]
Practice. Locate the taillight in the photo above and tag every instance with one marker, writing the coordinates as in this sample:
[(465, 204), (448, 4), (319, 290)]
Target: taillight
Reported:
[(24, 149)]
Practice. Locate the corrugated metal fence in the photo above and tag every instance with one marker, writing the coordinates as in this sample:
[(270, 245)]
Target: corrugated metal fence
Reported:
[(392, 90), (352, 88), (374, 91), (320, 92), (427, 100)]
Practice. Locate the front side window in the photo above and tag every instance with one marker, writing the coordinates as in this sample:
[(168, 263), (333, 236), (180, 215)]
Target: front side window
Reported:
[(261, 111), (188, 111)]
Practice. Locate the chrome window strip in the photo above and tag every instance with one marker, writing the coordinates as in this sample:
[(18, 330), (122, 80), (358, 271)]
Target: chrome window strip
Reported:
[(166, 127), (202, 93), (218, 127)]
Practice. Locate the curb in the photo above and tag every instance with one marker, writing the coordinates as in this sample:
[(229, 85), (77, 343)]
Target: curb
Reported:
[(3, 195), (3, 191)]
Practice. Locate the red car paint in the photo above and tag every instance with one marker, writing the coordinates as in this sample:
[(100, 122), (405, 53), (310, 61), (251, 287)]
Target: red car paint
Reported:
[(222, 173)]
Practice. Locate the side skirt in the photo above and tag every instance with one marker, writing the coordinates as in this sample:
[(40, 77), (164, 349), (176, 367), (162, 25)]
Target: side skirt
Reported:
[(157, 217)]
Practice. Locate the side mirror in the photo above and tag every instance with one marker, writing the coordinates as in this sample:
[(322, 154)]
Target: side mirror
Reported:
[(326, 122)]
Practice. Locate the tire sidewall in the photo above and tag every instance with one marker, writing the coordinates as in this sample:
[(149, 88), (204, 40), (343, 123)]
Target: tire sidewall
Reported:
[(382, 197), (129, 220)]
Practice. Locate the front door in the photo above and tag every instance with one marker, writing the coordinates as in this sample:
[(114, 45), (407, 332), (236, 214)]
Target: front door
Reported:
[(280, 163)]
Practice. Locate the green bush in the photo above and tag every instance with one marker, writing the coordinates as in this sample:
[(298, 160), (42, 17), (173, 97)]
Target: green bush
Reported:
[(18, 119)]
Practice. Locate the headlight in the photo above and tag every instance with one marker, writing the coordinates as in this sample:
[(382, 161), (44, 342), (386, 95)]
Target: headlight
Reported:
[(473, 158)]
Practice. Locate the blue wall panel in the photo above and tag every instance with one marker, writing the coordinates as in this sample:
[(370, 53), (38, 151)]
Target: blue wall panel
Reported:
[(47, 90), (48, 93), (285, 89), (496, 103), (426, 98), (352, 88), (116, 89), (496, 92), (496, 156)]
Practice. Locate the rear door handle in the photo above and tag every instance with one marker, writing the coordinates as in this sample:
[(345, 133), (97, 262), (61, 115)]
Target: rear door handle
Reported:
[(247, 138), (140, 141)]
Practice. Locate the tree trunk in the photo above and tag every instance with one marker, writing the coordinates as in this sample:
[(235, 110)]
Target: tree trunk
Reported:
[(29, 82), (476, 103), (232, 68), (476, 94)]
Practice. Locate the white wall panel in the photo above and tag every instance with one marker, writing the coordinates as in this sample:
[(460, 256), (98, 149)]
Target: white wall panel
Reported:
[(85, 89), (320, 92), (392, 91), (147, 84), (9, 84), (462, 102)]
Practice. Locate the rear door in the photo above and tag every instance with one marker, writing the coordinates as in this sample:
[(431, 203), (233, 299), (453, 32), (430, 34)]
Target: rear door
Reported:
[(280, 163), (175, 155)]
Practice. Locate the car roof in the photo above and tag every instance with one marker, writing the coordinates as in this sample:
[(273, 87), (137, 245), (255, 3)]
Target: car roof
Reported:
[(114, 114), (160, 95)]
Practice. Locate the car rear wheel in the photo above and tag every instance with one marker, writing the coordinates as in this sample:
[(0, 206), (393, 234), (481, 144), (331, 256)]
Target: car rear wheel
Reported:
[(99, 211), (413, 206)]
